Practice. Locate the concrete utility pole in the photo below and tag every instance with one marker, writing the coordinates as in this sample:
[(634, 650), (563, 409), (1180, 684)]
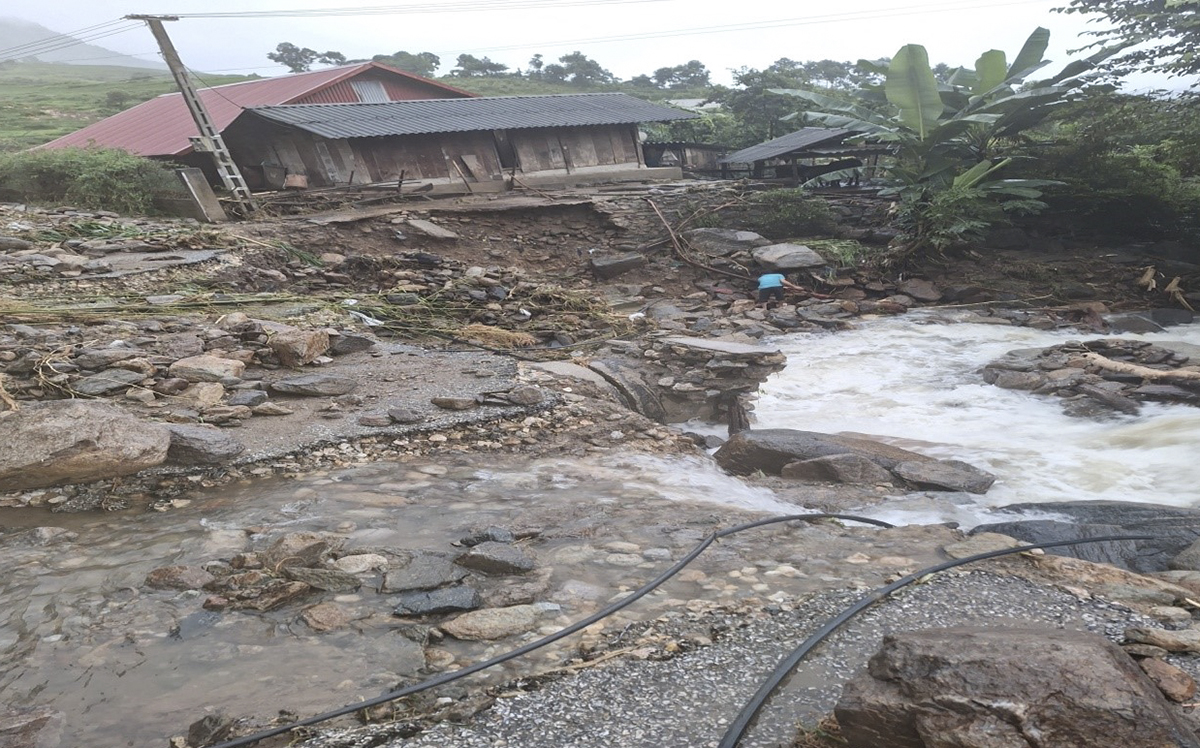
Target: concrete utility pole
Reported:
[(210, 140)]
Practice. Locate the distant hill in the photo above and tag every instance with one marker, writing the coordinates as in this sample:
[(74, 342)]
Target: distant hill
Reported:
[(15, 32), (40, 101)]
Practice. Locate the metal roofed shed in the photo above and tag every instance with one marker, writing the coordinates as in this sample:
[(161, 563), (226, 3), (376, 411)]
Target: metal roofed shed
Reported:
[(484, 144), (821, 147)]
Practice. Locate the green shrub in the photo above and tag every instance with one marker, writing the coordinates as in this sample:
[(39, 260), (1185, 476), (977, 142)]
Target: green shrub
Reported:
[(93, 178), (785, 214)]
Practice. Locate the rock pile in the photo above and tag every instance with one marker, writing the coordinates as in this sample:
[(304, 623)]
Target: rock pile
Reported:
[(807, 455), (1101, 377), (488, 589)]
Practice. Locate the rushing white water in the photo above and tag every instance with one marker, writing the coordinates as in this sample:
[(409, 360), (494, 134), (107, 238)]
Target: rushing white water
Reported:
[(918, 385)]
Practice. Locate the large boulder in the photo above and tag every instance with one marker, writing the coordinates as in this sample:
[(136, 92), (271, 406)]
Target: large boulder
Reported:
[(1005, 688), (71, 441), (768, 450), (1172, 529), (785, 258), (788, 452)]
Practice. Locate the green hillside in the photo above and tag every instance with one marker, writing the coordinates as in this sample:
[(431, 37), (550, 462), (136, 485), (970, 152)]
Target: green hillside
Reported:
[(41, 101)]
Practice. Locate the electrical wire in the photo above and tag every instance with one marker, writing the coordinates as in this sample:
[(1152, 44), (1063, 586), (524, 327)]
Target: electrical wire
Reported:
[(438, 7), (535, 645), (912, 10), (57, 38), (737, 729), (67, 44)]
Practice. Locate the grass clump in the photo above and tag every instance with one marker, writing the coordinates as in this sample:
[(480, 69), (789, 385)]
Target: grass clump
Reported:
[(92, 178)]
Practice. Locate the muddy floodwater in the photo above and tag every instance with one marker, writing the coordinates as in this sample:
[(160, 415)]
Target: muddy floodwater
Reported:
[(131, 666)]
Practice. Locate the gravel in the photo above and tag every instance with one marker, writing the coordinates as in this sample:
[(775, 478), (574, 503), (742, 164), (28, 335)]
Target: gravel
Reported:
[(689, 699)]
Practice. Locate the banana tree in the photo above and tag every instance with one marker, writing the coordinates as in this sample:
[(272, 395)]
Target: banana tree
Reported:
[(948, 140)]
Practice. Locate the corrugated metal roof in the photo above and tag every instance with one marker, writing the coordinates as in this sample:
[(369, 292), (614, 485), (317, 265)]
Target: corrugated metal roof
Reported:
[(469, 115), (162, 126), (805, 137)]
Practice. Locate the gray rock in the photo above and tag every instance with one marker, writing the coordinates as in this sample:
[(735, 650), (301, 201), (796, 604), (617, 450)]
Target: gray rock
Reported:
[(1186, 560), (430, 229), (497, 558), (66, 441), (921, 290), (496, 623), (193, 444), (107, 382), (985, 688), (784, 258), (489, 534), (375, 420), (102, 358), (424, 571), (454, 403), (314, 385), (1019, 380), (330, 580), (302, 548), (248, 398), (405, 415), (945, 475), (768, 450), (345, 343), (13, 244), (526, 395), (296, 347), (206, 368), (845, 468), (454, 599), (326, 617), (1172, 528), (610, 266), (178, 578)]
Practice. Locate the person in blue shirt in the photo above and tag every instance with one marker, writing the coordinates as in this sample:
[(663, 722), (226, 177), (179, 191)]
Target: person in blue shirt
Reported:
[(770, 287)]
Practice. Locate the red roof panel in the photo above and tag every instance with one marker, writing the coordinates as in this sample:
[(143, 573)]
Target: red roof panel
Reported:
[(162, 126)]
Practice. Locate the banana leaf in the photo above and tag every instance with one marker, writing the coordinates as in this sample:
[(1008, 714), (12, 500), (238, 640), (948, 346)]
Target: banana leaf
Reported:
[(913, 89), (1030, 56), (991, 69)]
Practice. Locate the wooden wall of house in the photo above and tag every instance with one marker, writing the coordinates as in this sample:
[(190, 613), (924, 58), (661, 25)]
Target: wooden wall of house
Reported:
[(570, 148), (455, 156), (702, 159)]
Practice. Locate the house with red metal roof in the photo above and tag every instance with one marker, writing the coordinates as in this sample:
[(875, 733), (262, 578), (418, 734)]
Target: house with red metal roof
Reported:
[(161, 127)]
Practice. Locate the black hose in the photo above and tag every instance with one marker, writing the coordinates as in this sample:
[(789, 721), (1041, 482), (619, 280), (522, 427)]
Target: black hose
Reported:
[(739, 726), (577, 626)]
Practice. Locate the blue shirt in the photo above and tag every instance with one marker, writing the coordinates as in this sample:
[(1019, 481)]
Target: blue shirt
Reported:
[(770, 280)]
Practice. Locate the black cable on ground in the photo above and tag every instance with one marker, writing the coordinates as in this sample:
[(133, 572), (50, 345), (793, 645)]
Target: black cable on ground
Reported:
[(520, 651), (739, 726)]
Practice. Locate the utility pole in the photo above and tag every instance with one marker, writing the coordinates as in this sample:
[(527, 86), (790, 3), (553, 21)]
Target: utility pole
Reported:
[(210, 140)]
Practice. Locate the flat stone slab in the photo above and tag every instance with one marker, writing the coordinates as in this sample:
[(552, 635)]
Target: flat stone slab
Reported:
[(430, 229), (717, 345)]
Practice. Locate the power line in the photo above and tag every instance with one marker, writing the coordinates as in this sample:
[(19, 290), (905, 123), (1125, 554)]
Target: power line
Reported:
[(911, 10), (61, 45), (59, 38), (380, 10)]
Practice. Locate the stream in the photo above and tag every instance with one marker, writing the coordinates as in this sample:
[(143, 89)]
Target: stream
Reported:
[(130, 666)]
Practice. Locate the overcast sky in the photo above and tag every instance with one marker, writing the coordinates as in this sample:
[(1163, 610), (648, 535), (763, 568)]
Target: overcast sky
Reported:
[(671, 31)]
